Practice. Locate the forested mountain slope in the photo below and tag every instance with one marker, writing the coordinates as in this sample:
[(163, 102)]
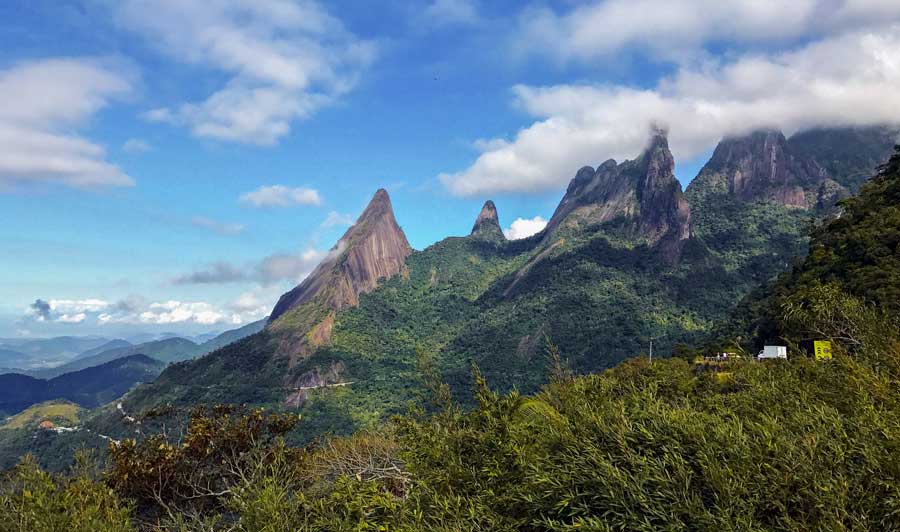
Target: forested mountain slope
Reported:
[(626, 259), (616, 267)]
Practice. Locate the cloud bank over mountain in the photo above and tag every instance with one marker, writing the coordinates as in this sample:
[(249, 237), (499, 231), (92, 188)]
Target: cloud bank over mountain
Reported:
[(823, 64)]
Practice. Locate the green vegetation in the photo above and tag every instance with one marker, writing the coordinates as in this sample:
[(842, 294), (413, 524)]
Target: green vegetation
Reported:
[(853, 263), (860, 248), (58, 412), (792, 445), (89, 387), (753, 240), (849, 155), (781, 445), (669, 445), (597, 294), (37, 501)]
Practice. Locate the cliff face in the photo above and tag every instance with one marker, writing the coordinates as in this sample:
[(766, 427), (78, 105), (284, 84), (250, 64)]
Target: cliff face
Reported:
[(762, 166), (643, 193), (375, 248), (487, 225)]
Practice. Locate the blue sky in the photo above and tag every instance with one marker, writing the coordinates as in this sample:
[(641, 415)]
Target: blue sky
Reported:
[(176, 165)]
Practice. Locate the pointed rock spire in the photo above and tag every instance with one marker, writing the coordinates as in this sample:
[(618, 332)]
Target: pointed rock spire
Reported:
[(487, 225), (373, 248)]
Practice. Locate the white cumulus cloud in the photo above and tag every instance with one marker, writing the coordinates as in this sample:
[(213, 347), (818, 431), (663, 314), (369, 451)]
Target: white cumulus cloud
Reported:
[(525, 227), (76, 306), (852, 79), (138, 311), (45, 101), (281, 196), (679, 29), (284, 60), (72, 318), (171, 312)]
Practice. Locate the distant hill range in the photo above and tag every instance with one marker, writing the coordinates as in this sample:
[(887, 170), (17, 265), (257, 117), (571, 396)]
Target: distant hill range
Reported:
[(28, 353), (88, 387), (96, 375), (167, 349)]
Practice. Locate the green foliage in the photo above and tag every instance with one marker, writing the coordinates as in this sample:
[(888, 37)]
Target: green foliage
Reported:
[(793, 445), (827, 312), (861, 248), (755, 241), (220, 447), (684, 352), (849, 155), (245, 372), (33, 500), (848, 286), (233, 471), (58, 412)]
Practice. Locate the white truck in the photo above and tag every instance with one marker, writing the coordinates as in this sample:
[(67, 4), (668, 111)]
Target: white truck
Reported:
[(772, 351)]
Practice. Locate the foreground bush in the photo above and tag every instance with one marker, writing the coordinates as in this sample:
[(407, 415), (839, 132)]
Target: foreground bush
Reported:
[(32, 500), (796, 445), (788, 445)]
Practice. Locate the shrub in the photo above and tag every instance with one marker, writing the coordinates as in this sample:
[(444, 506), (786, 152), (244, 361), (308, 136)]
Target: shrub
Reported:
[(36, 501)]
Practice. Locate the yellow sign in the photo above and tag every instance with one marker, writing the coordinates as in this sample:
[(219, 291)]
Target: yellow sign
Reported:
[(822, 349)]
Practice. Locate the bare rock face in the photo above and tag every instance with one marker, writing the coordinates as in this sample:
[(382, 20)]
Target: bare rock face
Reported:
[(375, 248), (643, 193), (487, 225), (316, 378), (763, 167)]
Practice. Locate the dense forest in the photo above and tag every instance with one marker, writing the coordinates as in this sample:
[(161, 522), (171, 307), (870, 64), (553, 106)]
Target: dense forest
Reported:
[(674, 444)]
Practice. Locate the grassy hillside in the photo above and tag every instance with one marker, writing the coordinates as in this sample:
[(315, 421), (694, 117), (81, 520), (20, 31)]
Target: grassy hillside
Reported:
[(58, 412)]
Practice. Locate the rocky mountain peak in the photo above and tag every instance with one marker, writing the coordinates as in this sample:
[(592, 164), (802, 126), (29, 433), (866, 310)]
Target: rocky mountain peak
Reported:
[(658, 141), (374, 248), (643, 192), (379, 205), (762, 166), (488, 224)]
